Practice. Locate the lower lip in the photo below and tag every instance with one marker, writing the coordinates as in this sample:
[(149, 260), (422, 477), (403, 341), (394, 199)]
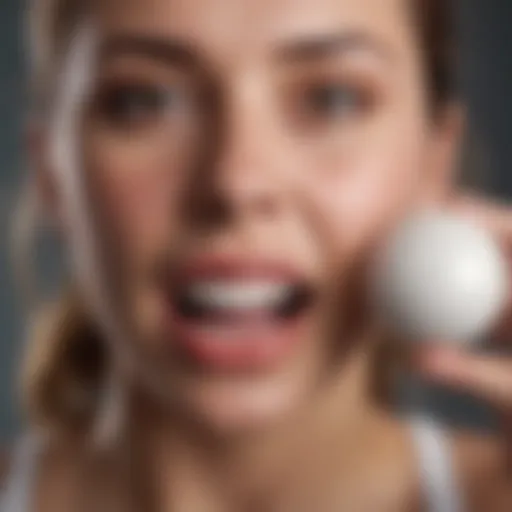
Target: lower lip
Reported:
[(260, 344)]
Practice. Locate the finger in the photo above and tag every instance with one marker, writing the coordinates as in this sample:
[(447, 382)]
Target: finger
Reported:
[(489, 378), (490, 214), (486, 377)]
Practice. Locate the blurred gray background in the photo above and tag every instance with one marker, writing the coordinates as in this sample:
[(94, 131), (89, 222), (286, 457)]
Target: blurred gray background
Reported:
[(486, 36)]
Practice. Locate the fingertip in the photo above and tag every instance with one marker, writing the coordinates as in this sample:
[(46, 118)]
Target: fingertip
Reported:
[(438, 360)]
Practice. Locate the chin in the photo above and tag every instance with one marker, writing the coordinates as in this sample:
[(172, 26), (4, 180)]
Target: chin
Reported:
[(243, 405)]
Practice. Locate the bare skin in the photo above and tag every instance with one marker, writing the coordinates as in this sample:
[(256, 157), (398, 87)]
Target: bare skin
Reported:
[(326, 140)]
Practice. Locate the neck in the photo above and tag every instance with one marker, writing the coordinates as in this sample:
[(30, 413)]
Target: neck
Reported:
[(190, 463)]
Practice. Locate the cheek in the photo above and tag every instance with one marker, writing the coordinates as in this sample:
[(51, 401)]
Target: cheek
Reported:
[(359, 195), (136, 186)]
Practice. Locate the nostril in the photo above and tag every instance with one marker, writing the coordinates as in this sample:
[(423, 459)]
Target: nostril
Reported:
[(209, 209)]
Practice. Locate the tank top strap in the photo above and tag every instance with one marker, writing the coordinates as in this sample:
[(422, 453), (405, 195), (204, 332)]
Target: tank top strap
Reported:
[(18, 490), (437, 473)]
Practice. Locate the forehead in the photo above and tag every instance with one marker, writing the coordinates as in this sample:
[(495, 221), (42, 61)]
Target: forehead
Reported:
[(239, 27)]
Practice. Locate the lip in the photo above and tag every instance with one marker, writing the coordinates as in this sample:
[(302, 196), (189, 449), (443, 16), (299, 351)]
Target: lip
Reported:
[(254, 342), (222, 267)]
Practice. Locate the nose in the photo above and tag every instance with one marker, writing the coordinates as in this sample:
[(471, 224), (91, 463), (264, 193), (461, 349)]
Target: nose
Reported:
[(239, 176)]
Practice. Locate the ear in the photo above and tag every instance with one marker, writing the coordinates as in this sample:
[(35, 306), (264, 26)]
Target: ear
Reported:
[(43, 179), (444, 149)]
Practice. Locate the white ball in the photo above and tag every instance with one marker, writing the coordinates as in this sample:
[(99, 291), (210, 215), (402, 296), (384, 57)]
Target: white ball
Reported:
[(441, 279)]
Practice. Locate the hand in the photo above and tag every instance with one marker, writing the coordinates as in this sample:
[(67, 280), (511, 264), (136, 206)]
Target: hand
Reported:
[(486, 377)]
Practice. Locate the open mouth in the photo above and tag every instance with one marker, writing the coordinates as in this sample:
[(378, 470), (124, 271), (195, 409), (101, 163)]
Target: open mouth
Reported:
[(242, 300), (234, 314)]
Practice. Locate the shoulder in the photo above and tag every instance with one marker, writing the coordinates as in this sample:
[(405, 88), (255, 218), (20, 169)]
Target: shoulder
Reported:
[(34, 471), (484, 471), (71, 468)]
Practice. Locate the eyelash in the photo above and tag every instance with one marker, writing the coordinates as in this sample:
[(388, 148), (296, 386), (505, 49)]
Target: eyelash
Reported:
[(128, 106), (131, 105), (333, 101)]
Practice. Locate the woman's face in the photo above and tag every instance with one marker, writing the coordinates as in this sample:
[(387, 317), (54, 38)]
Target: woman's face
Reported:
[(230, 166)]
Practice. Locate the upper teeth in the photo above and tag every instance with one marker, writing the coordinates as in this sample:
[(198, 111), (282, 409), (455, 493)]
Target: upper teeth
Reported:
[(238, 295)]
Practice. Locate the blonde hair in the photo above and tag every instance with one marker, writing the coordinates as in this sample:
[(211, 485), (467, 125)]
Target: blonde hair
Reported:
[(65, 359)]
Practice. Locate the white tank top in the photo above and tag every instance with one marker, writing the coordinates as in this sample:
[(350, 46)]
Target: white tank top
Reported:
[(433, 453), (439, 486), (18, 489)]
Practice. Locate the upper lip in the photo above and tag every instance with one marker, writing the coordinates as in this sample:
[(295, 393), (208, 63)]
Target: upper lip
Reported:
[(223, 267)]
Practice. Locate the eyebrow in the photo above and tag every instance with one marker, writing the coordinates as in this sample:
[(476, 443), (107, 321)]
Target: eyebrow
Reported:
[(324, 46), (166, 50), (179, 53)]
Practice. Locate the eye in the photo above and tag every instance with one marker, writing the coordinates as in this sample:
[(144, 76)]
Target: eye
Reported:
[(334, 101), (129, 105)]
